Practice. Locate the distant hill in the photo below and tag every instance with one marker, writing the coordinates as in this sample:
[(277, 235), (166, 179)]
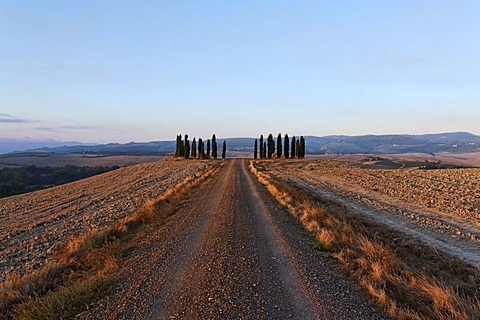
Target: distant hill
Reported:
[(337, 144), (131, 148), (450, 136), (12, 145), (378, 144)]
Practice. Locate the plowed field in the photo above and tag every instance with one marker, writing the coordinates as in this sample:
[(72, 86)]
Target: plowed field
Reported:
[(455, 191), (33, 224), (442, 205)]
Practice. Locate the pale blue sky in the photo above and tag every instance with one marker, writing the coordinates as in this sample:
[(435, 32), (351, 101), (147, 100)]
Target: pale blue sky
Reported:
[(119, 71)]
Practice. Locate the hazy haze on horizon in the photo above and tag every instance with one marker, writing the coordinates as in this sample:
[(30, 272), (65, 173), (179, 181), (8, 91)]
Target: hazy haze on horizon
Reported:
[(118, 71)]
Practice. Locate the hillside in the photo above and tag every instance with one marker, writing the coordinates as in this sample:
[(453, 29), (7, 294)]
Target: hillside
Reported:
[(456, 142), (395, 144), (228, 247), (32, 225)]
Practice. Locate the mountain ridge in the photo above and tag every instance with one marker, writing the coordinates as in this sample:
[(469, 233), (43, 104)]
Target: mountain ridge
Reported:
[(336, 144)]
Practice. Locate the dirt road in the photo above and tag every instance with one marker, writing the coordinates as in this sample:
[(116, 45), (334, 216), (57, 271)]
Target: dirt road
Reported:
[(231, 252)]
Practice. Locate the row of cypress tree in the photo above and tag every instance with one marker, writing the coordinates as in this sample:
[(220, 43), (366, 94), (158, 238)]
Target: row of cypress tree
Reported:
[(187, 150), (266, 149)]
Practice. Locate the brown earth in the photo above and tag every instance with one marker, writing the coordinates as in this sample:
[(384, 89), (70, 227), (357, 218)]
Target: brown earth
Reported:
[(459, 159), (231, 252), (60, 160), (439, 207), (32, 225)]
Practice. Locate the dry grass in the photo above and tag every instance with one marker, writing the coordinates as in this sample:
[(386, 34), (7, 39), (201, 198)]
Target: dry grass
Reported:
[(85, 267), (16, 288), (407, 279), (64, 303)]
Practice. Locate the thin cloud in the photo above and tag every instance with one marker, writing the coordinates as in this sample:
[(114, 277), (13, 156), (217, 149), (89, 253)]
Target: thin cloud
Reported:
[(8, 118), (64, 128), (46, 129), (77, 127)]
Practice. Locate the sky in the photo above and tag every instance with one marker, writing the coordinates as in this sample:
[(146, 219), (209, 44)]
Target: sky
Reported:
[(121, 71)]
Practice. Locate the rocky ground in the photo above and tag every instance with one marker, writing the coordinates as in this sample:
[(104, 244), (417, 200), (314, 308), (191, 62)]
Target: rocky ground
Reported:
[(32, 225), (454, 191), (440, 206)]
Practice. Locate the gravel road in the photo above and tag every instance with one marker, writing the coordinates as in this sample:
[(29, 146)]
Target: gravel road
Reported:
[(231, 252)]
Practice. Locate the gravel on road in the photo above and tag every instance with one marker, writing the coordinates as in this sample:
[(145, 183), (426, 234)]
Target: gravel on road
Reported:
[(231, 252)]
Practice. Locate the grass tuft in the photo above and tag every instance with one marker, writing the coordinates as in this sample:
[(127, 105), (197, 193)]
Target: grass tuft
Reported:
[(64, 303), (16, 289)]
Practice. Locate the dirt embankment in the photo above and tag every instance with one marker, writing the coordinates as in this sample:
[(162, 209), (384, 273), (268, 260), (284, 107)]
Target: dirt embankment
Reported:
[(440, 207), (32, 225)]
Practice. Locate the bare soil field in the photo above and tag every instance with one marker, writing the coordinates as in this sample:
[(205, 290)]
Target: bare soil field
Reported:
[(60, 160), (228, 247), (32, 225), (218, 247), (441, 207), (459, 159)]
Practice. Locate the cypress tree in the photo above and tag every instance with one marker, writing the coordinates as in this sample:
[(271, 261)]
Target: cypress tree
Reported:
[(201, 151), (293, 147), (286, 149), (199, 148), (214, 147), (194, 148), (297, 146), (261, 147), (208, 148), (279, 146), (270, 146), (181, 146), (302, 147), (186, 151), (177, 146), (264, 150), (255, 149), (224, 149), (179, 152)]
